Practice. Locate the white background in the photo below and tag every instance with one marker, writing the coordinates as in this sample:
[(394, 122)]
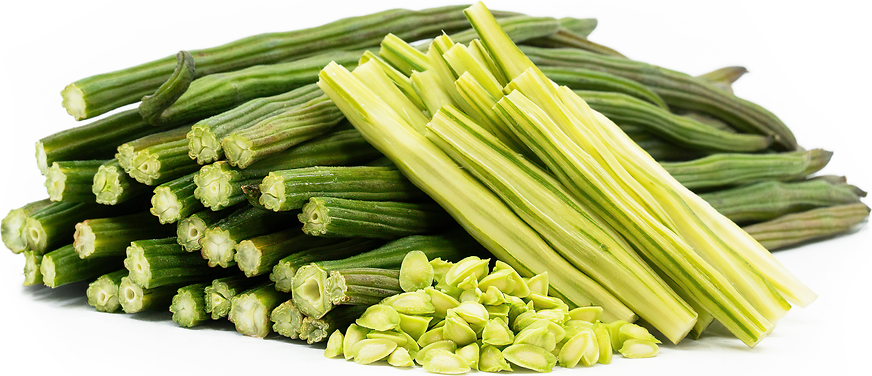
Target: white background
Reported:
[(809, 64)]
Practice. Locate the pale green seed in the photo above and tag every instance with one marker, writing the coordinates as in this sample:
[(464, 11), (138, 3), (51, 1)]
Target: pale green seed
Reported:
[(538, 283), (414, 325), (614, 327), (379, 317), (501, 311), (557, 330), (353, 335), (492, 360), (446, 363), (431, 336), (589, 314), (400, 358), (501, 279), (441, 301), (493, 296), (521, 289), (416, 272), (539, 337), (474, 313), (637, 348), (458, 330), (581, 348), (471, 266), (470, 353), (334, 344), (421, 356), (471, 295), (541, 302), (557, 315), (530, 357), (572, 327), (440, 267), (633, 331), (604, 343), (411, 303), (496, 332), (371, 350), (399, 338)]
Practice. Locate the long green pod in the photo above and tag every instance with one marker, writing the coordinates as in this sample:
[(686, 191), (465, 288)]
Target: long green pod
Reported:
[(564, 222), (134, 298), (175, 200), (580, 26), (222, 290), (724, 77), (343, 218), (258, 255), (291, 189), (63, 266), (32, 272), (189, 305), (401, 80), (281, 131), (593, 80), (283, 272), (797, 228), (316, 292), (112, 185), (103, 292), (107, 237), (161, 262), (658, 148), (520, 28), (95, 140), (658, 243), (472, 204), (730, 169), (95, 95), (71, 181), (220, 186), (220, 240), (160, 161), (250, 310), (54, 225), (682, 131), (770, 199), (204, 139), (14, 224), (214, 94), (190, 230), (565, 38), (718, 263), (679, 90)]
